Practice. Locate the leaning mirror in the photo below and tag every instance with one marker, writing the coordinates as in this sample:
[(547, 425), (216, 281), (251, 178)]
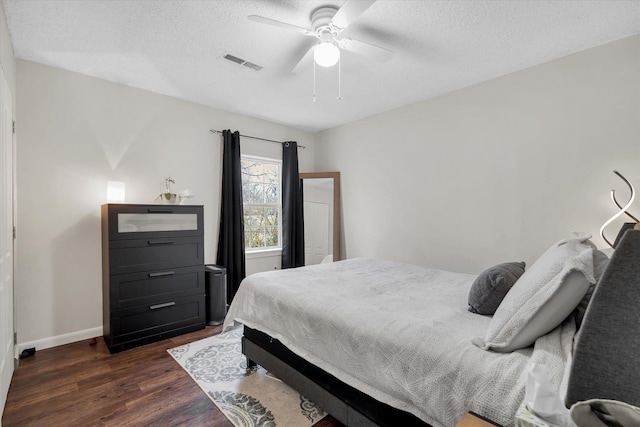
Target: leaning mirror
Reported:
[(321, 191)]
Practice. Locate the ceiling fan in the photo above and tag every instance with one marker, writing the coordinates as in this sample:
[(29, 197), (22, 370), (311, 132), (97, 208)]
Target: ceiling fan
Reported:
[(327, 23)]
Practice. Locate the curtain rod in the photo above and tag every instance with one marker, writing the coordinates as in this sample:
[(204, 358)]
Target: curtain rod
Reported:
[(255, 137)]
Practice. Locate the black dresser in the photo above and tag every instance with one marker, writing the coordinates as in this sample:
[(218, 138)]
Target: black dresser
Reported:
[(153, 283)]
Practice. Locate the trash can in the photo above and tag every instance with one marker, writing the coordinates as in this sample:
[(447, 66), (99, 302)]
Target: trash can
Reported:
[(215, 293)]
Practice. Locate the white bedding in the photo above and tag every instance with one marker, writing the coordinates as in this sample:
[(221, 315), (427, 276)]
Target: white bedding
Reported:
[(398, 332)]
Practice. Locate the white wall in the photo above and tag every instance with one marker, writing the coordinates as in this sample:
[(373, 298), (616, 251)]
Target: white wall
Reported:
[(495, 172), (77, 133)]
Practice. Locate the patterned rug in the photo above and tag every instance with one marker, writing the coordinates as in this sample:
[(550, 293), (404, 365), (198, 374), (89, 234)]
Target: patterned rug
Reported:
[(247, 397)]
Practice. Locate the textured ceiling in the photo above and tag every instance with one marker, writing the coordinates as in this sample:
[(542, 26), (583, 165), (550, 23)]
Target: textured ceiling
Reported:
[(176, 48)]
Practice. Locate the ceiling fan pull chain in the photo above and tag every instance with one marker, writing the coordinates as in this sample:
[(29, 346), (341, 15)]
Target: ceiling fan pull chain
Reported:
[(314, 81), (339, 98)]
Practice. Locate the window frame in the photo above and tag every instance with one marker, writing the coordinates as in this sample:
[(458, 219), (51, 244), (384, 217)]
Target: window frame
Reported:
[(278, 206)]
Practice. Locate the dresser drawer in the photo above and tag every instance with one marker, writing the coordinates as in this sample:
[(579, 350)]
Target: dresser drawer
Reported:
[(130, 290), (130, 256), (138, 322), (152, 221)]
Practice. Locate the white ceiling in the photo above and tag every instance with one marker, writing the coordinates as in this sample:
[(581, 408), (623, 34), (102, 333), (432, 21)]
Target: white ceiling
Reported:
[(176, 48)]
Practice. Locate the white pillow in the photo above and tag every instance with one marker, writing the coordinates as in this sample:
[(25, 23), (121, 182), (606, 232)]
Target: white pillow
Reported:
[(542, 297), (600, 262)]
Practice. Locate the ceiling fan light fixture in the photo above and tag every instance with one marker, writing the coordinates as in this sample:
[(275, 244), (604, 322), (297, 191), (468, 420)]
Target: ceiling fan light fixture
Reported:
[(326, 54)]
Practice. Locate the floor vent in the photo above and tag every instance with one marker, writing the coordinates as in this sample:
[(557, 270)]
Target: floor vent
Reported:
[(242, 62)]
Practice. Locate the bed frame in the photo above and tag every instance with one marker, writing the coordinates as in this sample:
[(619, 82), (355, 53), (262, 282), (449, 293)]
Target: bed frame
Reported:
[(345, 403), (604, 365)]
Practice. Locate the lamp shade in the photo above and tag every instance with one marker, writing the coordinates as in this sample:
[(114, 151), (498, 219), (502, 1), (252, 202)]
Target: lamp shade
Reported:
[(326, 54), (115, 192)]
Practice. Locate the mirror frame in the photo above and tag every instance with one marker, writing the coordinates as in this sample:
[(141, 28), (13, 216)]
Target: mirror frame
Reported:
[(336, 205)]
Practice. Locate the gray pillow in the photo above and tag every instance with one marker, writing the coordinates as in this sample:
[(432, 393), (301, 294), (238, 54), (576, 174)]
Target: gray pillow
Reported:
[(492, 285)]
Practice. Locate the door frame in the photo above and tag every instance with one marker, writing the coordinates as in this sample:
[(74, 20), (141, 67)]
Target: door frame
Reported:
[(9, 197)]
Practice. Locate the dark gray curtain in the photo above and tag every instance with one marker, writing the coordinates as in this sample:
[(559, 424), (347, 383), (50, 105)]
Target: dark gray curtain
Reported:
[(292, 208), (231, 236)]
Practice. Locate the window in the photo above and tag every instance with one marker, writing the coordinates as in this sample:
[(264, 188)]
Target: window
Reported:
[(262, 202)]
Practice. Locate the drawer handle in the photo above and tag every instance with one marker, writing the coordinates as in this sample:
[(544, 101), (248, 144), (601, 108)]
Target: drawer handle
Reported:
[(162, 273), (166, 304), (151, 210), (160, 242)]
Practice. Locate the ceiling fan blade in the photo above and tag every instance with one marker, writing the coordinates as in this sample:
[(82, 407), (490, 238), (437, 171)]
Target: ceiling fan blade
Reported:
[(349, 11), (305, 61), (365, 49), (280, 24)]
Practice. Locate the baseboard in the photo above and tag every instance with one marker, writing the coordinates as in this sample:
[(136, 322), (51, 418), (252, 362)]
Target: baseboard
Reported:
[(63, 339)]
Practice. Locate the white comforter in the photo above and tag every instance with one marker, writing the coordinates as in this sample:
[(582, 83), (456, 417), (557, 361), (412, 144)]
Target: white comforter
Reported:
[(398, 332)]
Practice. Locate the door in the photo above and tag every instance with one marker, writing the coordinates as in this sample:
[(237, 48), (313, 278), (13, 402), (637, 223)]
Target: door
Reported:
[(316, 238), (6, 239)]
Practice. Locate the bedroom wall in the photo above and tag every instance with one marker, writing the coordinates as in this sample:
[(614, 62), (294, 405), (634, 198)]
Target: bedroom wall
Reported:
[(494, 172), (77, 133)]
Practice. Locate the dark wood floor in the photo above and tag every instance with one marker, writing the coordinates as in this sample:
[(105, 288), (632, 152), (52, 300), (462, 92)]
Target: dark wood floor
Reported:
[(81, 384)]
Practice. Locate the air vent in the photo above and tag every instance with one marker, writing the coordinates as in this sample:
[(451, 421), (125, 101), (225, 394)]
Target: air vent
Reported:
[(234, 59), (242, 62), (252, 66)]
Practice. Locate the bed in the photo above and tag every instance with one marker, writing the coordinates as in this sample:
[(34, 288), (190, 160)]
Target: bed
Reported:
[(383, 343)]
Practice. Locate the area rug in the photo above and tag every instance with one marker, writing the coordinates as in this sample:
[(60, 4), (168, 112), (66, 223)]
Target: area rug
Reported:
[(247, 397)]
